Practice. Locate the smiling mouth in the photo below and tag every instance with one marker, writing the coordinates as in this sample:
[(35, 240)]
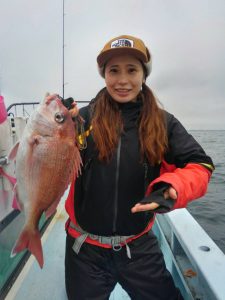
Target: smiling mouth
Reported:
[(122, 91)]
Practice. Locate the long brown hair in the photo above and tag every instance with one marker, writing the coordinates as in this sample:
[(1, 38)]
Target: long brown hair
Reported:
[(107, 126)]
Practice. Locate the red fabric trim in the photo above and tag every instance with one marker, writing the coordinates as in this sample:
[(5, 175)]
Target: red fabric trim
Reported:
[(190, 182), (69, 205), (165, 167)]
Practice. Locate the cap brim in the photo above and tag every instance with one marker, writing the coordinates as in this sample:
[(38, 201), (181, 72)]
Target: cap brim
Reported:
[(108, 54)]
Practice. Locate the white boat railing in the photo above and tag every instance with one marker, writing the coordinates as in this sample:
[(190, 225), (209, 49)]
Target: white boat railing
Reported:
[(200, 260)]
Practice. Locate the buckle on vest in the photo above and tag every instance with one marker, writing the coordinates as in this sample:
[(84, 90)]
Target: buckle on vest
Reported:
[(117, 247)]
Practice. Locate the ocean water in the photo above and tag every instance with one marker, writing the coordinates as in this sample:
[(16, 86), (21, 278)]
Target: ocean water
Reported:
[(209, 210)]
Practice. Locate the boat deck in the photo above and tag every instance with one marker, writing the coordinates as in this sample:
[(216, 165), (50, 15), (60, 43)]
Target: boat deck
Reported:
[(48, 283)]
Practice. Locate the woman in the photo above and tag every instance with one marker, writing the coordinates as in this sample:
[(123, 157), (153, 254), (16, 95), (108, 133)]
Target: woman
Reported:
[(138, 160)]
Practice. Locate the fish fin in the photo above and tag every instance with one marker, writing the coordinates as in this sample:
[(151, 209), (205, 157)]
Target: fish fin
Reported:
[(49, 212), (77, 164), (35, 139), (31, 240), (52, 209), (16, 203), (13, 151)]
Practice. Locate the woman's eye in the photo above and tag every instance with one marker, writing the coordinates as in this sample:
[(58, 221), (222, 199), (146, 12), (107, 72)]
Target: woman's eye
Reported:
[(113, 70), (132, 70)]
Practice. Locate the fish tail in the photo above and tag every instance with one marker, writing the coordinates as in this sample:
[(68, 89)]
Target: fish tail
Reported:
[(29, 239)]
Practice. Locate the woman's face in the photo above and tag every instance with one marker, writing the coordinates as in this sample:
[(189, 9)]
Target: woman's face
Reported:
[(124, 76)]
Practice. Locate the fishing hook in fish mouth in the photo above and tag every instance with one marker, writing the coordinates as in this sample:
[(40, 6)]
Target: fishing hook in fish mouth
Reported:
[(59, 117)]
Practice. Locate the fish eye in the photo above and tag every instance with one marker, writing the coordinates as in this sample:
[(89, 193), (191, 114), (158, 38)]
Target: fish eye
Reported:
[(59, 117)]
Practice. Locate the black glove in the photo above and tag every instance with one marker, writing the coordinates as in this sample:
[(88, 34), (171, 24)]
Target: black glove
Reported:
[(67, 102), (157, 196)]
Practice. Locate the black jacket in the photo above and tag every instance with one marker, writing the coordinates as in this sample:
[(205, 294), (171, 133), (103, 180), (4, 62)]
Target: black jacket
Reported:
[(106, 192)]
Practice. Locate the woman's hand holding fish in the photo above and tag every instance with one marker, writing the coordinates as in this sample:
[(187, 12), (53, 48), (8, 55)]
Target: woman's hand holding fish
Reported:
[(74, 111)]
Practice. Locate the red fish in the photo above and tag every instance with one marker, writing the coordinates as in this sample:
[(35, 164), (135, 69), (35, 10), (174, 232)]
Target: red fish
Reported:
[(47, 159)]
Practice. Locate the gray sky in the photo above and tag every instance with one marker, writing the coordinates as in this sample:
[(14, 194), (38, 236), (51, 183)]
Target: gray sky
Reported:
[(186, 39)]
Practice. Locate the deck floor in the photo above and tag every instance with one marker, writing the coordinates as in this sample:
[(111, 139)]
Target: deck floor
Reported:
[(48, 283)]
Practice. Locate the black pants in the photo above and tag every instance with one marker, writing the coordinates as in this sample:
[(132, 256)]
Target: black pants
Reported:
[(94, 272)]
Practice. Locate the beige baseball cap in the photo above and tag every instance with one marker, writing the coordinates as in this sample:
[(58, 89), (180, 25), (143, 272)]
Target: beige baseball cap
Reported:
[(125, 44)]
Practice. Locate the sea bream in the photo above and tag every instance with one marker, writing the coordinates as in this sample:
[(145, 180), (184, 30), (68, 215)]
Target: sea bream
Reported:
[(47, 160)]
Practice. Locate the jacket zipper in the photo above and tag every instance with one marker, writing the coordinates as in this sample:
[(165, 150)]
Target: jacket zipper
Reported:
[(116, 185)]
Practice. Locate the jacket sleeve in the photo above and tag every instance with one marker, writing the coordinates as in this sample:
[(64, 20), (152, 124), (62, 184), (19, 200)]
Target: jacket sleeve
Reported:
[(186, 166)]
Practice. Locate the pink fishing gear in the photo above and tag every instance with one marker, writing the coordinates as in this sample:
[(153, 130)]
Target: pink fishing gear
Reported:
[(3, 111)]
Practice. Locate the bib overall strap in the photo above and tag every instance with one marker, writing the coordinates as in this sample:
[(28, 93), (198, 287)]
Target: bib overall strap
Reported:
[(114, 241)]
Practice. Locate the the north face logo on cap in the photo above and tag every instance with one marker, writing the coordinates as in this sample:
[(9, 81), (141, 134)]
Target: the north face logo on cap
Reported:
[(122, 43)]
